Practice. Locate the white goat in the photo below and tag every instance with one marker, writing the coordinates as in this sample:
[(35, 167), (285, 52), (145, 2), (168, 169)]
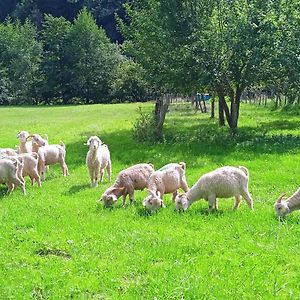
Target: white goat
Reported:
[(49, 154), (166, 180), (10, 168), (97, 159), (284, 206), (223, 182), (128, 180)]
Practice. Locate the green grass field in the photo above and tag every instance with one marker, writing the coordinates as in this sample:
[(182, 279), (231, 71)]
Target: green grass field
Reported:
[(58, 243)]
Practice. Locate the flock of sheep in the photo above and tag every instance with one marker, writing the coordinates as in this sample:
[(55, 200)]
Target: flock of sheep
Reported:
[(35, 154)]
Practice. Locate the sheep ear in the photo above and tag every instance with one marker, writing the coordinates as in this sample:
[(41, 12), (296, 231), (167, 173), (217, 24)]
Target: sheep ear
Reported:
[(280, 198), (158, 194), (88, 142), (183, 165)]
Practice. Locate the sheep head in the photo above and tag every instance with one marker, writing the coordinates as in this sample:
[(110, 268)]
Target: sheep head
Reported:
[(153, 201), (281, 207), (22, 136), (94, 142), (182, 202), (37, 139)]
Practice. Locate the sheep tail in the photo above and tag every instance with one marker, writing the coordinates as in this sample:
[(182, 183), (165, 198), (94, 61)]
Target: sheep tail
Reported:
[(183, 165), (245, 170), (62, 144)]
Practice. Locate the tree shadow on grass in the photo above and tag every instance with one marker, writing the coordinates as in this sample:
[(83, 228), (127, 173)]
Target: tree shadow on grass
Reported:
[(202, 138), (77, 188)]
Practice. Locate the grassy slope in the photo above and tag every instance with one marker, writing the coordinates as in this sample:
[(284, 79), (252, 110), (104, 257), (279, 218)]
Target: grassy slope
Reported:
[(58, 243)]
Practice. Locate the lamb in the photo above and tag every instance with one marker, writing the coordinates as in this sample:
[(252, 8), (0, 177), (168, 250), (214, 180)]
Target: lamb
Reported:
[(286, 206), (97, 159), (166, 180), (223, 182), (128, 180), (49, 154), (10, 168)]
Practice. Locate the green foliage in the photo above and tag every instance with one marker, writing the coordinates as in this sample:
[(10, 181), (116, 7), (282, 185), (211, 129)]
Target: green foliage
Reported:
[(144, 127), (55, 65), (20, 56), (128, 83), (92, 59), (58, 243)]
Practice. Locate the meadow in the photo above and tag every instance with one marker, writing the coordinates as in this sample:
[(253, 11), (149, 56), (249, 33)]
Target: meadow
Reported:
[(59, 243)]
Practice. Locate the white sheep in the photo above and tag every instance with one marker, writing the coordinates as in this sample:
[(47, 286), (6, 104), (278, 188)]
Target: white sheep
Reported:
[(8, 152), (127, 181), (30, 167), (284, 206), (25, 145), (10, 168), (223, 182), (97, 160), (49, 154), (166, 180)]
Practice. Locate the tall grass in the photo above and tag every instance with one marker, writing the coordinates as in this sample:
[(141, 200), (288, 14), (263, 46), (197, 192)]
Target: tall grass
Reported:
[(58, 243)]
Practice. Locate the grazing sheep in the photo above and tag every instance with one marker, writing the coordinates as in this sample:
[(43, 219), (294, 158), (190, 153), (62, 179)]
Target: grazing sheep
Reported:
[(286, 206), (10, 168), (128, 180), (166, 180), (97, 159), (49, 154), (223, 182)]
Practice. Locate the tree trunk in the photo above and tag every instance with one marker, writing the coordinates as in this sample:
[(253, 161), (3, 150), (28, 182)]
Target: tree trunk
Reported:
[(161, 108), (212, 113), (221, 114)]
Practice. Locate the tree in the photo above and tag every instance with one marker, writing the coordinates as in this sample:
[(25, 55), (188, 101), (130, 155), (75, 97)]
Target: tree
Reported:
[(92, 59), (222, 45), (128, 83), (20, 56), (55, 63)]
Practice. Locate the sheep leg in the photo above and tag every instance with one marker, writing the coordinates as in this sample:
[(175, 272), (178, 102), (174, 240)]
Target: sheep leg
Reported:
[(237, 202), (124, 200), (216, 204), (21, 184), (248, 199), (108, 169), (11, 187), (174, 195), (91, 177), (64, 167), (101, 175), (37, 178), (211, 202), (185, 186), (131, 196)]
